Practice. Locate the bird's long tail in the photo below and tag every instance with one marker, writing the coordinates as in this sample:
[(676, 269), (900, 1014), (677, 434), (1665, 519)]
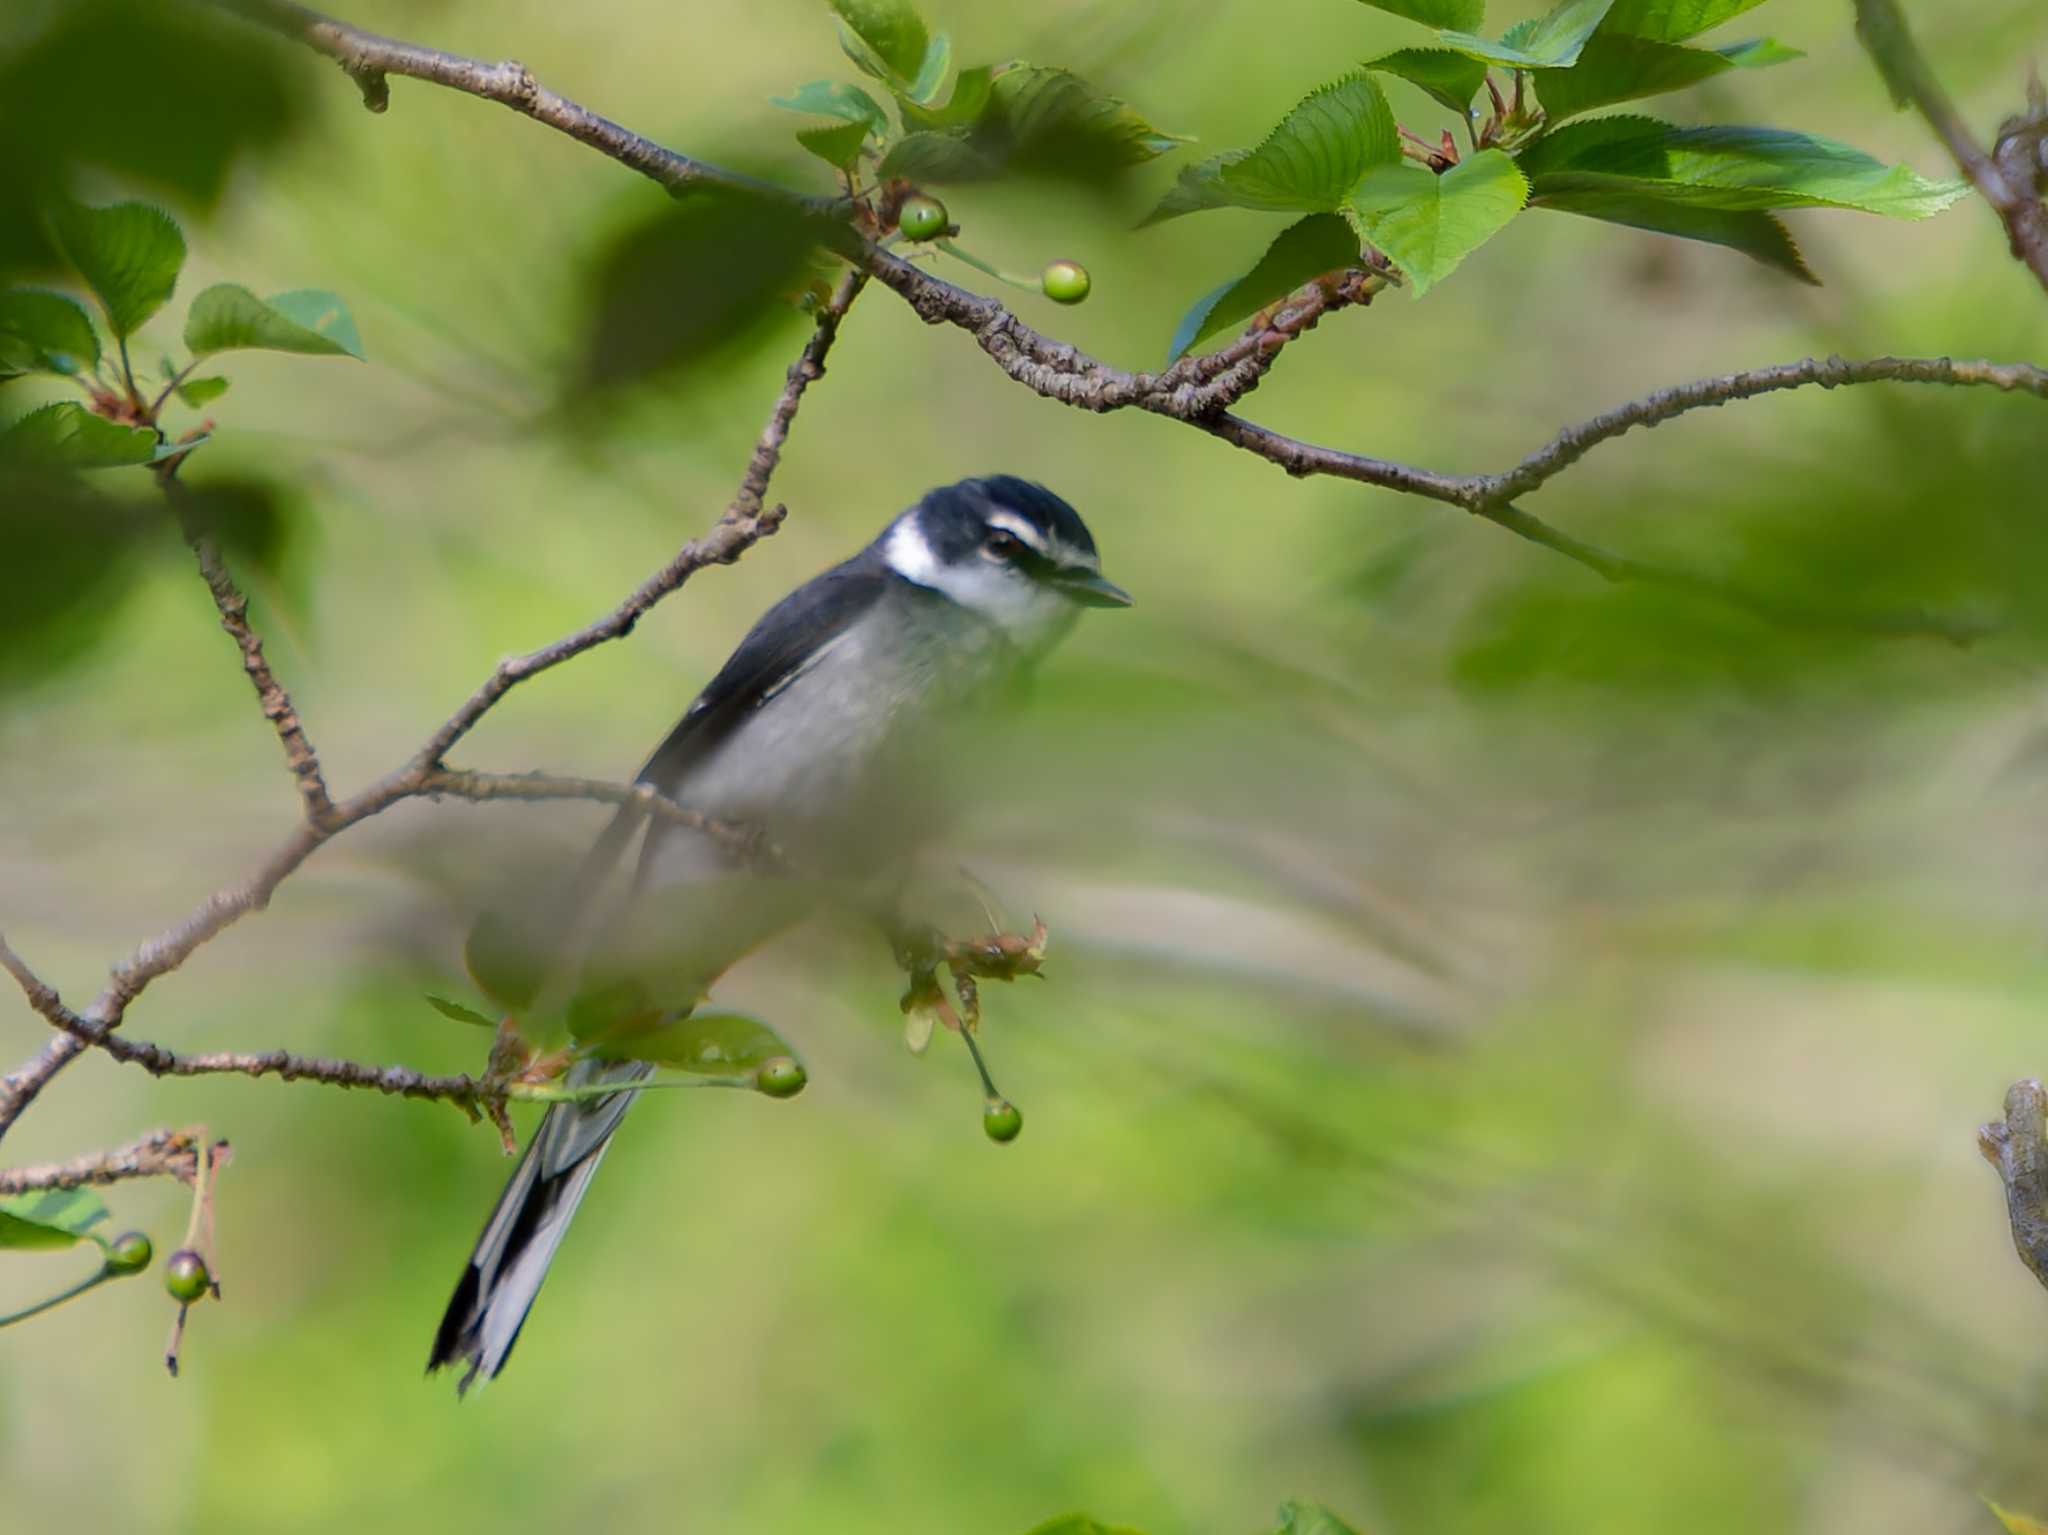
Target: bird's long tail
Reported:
[(511, 1259)]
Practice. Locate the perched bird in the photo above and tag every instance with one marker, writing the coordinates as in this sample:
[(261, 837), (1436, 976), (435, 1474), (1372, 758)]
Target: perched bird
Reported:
[(811, 733)]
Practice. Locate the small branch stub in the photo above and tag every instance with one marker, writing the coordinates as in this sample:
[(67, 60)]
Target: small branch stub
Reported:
[(2017, 1147)]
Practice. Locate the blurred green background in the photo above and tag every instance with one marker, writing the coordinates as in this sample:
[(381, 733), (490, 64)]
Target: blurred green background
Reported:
[(1513, 1045)]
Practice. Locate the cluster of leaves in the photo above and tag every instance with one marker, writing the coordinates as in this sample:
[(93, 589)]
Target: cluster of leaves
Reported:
[(984, 121), (1297, 1517), (128, 256), (1339, 157)]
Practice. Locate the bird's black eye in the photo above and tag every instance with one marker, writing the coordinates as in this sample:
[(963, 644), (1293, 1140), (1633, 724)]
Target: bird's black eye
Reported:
[(1001, 545)]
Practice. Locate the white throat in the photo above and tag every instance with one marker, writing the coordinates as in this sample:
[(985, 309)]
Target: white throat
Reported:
[(1030, 615)]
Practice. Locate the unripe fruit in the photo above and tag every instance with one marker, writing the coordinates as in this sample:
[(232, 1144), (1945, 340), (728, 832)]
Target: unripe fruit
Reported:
[(1065, 282), (1000, 1121), (923, 218), (129, 1253), (780, 1077), (185, 1276)]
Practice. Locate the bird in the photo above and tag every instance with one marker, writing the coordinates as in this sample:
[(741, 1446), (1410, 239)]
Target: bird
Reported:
[(813, 734)]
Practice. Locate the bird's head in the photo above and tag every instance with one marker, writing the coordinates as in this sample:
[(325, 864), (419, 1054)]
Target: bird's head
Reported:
[(1008, 550)]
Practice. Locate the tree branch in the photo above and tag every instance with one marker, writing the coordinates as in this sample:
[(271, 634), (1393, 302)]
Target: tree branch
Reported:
[(276, 703), (2016, 1148), (745, 522), (368, 58), (160, 1154), (2010, 176)]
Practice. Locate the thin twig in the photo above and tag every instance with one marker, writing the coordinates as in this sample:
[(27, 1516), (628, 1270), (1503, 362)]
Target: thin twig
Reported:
[(2010, 176), (159, 1154), (233, 606), (367, 58)]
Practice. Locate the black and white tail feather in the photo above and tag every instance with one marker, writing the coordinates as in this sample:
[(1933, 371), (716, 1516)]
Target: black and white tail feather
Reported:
[(497, 1290)]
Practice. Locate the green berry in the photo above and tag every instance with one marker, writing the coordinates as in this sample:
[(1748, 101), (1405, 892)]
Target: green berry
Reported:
[(1000, 1121), (1065, 282), (780, 1077), (129, 1253), (923, 218), (185, 1276)]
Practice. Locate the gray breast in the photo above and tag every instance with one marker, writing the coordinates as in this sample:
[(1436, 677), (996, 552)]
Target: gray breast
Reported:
[(844, 759)]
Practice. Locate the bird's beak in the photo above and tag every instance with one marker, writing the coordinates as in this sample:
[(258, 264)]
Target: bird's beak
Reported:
[(1091, 590)]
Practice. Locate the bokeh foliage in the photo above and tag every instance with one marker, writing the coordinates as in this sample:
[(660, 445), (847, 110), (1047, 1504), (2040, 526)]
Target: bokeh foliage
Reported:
[(1511, 1045)]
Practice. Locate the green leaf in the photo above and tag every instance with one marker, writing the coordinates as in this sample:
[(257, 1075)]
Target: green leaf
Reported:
[(458, 1012), (68, 436), (829, 98), (1320, 150), (1448, 76), (1427, 224), (1673, 21), (890, 33), (1461, 14), (228, 317), (717, 1043), (1551, 41), (1079, 1524), (508, 957), (51, 1218), (1760, 236), (129, 255), (1300, 1517), (1738, 169), (931, 74), (838, 145), (1612, 69), (45, 333), (972, 91), (1308, 164), (196, 392), (1322, 242), (1035, 120), (1759, 53), (2016, 1524)]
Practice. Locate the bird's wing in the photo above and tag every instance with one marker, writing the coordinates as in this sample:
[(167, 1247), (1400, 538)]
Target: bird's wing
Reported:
[(774, 652)]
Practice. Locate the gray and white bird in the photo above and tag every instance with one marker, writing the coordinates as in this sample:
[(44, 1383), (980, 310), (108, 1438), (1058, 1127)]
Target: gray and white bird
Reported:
[(813, 733)]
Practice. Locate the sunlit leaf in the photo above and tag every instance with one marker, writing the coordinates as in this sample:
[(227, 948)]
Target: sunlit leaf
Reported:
[(972, 91), (129, 255), (50, 1218), (459, 1013), (1760, 236), (228, 317), (837, 145), (68, 436), (1308, 164), (931, 75), (1731, 168), (1550, 41), (196, 392), (2017, 1524), (1079, 1524), (1673, 21), (1320, 243), (1463, 15), (713, 1042), (1448, 76), (1427, 223), (1617, 68), (830, 98), (1300, 1517), (1034, 120), (1759, 53), (890, 33), (44, 332)]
